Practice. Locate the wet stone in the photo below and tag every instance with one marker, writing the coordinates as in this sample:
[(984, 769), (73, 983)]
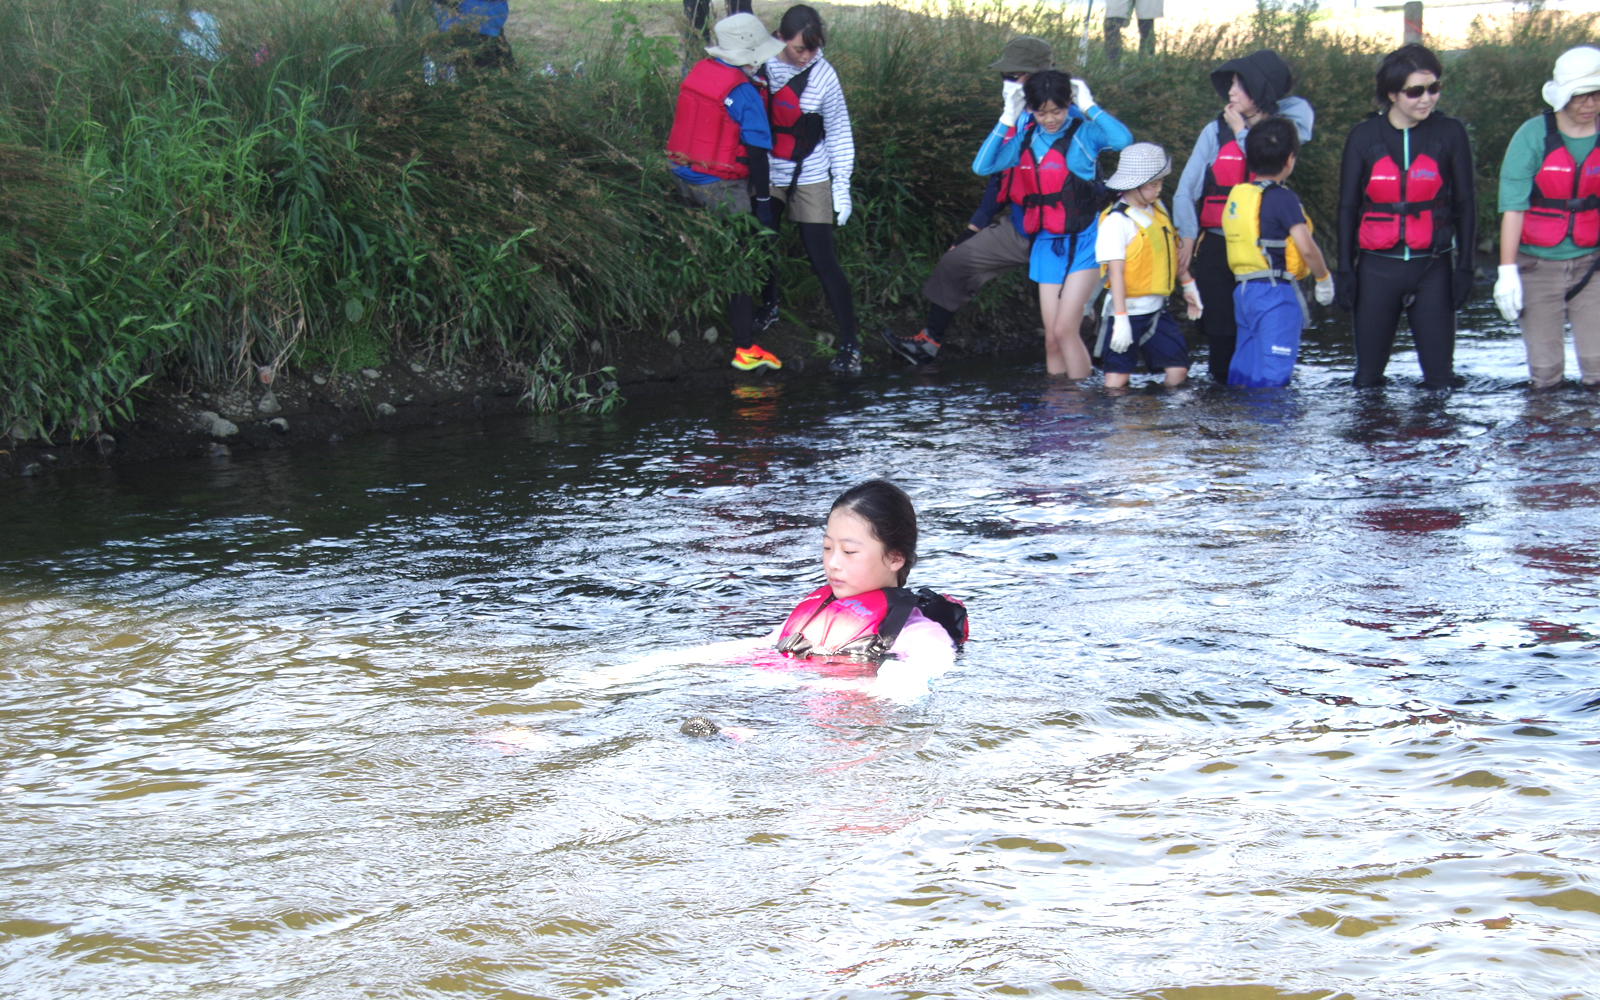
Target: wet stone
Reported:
[(371, 373), (269, 403), (386, 410), (279, 424)]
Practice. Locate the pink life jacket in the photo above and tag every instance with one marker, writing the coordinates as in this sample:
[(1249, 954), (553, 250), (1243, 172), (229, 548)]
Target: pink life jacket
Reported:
[(864, 627), (1054, 199), (1566, 198), (1401, 207), (1222, 173)]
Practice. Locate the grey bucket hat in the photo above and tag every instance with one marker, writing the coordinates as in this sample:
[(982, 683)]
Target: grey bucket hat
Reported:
[(1140, 164), (1025, 55)]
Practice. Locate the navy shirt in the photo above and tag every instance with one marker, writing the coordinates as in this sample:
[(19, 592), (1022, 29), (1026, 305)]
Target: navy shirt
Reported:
[(1280, 212)]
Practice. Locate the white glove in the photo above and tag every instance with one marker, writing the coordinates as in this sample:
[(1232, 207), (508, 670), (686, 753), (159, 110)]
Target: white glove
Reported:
[(1121, 333), (1013, 108), (1081, 96), (1508, 292), (1007, 88), (1191, 298), (1324, 291), (841, 205)]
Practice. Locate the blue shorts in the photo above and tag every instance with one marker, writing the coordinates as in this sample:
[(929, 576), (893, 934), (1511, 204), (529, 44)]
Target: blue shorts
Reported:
[(1049, 263), (1165, 348)]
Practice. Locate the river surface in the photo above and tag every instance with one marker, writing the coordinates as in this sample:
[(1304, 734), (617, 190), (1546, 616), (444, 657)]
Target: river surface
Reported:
[(1269, 694)]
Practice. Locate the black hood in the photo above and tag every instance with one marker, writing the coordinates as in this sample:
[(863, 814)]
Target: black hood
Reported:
[(1266, 78)]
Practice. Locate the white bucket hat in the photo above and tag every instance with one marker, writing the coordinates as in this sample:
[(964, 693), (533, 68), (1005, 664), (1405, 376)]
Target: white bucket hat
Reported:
[(1140, 164), (1576, 72), (742, 40)]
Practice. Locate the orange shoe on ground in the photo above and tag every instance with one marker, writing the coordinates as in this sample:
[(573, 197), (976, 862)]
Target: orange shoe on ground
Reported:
[(750, 358)]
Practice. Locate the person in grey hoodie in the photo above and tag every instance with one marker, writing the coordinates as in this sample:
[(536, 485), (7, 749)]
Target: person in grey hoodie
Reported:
[(1255, 87)]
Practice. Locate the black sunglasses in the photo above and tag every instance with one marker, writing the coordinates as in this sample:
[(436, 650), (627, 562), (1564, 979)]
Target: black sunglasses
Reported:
[(1012, 77), (1419, 90)]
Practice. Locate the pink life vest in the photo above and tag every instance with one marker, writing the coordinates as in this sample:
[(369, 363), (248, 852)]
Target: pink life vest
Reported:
[(864, 627), (1222, 173), (1054, 199), (1405, 207)]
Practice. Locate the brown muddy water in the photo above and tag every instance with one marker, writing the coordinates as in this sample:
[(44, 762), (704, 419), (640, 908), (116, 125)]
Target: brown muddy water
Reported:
[(1270, 694)]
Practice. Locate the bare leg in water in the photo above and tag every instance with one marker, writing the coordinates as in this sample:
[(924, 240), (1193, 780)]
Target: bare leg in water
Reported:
[(1061, 307)]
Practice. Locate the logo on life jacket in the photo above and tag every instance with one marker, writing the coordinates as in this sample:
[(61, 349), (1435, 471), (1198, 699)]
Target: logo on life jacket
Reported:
[(864, 627), (1565, 199)]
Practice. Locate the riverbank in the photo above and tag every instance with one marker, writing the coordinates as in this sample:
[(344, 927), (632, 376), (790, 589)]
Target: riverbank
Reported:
[(183, 419)]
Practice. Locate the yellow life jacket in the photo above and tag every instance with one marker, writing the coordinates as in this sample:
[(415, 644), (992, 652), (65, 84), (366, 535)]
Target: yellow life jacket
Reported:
[(1247, 251), (1151, 262)]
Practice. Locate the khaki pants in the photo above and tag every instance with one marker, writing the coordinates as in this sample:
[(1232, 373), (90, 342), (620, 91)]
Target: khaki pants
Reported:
[(1546, 313), (968, 267)]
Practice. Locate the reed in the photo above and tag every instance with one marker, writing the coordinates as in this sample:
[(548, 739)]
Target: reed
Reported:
[(309, 198)]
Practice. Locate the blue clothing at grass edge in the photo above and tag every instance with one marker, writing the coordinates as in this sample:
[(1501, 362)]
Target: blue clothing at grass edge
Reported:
[(1049, 262), (487, 16), (745, 106)]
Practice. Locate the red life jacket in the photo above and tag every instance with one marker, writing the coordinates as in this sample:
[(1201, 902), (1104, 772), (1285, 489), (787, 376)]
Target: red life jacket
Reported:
[(704, 136), (1411, 207), (865, 626), (1566, 198), (795, 133), (1003, 189), (1225, 171), (1053, 198)]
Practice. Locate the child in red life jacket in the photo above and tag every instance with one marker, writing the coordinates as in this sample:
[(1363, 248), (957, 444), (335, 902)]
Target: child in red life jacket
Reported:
[(864, 611)]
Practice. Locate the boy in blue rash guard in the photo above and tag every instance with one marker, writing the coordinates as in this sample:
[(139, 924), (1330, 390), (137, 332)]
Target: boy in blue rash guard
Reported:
[(1056, 200), (720, 143)]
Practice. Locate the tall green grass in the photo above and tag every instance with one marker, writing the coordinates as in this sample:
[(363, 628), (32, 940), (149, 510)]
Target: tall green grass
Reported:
[(309, 198)]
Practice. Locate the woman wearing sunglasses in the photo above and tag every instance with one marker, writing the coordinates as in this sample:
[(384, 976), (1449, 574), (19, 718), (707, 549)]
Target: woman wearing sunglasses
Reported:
[(1407, 221), (1550, 229)]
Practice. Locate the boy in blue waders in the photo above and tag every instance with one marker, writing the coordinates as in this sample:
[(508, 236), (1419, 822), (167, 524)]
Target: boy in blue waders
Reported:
[(1269, 250), (720, 143), (1138, 253)]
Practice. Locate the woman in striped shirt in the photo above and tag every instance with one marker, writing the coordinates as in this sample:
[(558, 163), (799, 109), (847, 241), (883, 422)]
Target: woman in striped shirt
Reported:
[(811, 185)]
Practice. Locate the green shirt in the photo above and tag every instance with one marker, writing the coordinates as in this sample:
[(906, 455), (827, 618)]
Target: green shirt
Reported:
[(1523, 158)]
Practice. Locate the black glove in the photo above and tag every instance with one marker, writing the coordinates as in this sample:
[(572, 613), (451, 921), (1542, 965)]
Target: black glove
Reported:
[(764, 215), (1345, 290), (1462, 282)]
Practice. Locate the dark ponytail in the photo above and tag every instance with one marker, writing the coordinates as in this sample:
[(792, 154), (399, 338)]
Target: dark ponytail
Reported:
[(887, 509), (805, 22)]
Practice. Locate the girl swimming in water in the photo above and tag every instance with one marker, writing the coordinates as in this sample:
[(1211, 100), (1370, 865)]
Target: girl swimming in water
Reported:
[(864, 611)]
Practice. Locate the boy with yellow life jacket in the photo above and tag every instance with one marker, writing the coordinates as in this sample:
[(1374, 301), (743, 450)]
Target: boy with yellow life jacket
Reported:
[(1138, 255), (1270, 249)]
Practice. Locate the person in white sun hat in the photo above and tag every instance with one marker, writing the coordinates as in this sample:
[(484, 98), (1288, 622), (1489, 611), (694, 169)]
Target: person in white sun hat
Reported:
[(720, 143), (1550, 224), (1136, 245)]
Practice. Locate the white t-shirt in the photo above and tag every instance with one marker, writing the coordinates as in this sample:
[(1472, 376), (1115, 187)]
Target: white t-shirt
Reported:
[(1111, 243)]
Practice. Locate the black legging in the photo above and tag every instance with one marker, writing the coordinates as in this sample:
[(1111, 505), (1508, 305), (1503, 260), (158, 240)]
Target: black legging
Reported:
[(1212, 276), (698, 11), (817, 238), (1382, 286)]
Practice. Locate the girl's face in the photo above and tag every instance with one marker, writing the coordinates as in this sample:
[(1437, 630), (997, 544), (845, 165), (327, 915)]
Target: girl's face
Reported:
[(1241, 101), (1050, 116), (854, 559), (795, 52), (1416, 109), (1146, 194)]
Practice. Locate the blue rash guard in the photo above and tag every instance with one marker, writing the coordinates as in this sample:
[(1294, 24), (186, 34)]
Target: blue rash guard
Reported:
[(1054, 257), (488, 16)]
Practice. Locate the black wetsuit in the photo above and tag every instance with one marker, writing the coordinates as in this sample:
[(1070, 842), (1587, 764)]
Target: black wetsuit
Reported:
[(1429, 286)]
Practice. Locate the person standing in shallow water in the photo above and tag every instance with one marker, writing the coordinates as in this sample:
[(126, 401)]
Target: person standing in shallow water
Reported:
[(720, 142), (813, 156), (1254, 87), (1550, 229), (1408, 212), (987, 248)]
